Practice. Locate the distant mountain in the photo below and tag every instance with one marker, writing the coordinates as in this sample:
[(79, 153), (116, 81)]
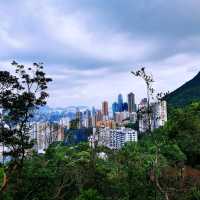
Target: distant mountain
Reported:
[(186, 94), (49, 114)]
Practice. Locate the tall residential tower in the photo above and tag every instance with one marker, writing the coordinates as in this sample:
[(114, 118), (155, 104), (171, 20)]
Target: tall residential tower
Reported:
[(120, 102), (105, 109), (131, 103)]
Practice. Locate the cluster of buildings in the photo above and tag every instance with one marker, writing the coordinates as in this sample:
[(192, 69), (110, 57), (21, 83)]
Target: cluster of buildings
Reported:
[(157, 115), (45, 133), (110, 128), (113, 138), (124, 112), (121, 112), (108, 124)]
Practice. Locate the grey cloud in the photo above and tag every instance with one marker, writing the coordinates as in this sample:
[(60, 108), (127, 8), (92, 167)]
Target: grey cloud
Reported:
[(87, 44)]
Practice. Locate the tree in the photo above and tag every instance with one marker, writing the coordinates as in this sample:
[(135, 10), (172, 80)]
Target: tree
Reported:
[(148, 79), (146, 112), (184, 128), (160, 158), (89, 195), (21, 93)]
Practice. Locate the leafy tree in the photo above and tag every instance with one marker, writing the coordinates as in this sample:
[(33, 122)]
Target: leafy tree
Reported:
[(184, 128), (134, 126), (89, 195), (65, 172), (1, 175), (133, 167), (20, 94)]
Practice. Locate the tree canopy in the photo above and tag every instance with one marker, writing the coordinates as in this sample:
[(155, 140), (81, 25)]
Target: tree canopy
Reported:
[(158, 166)]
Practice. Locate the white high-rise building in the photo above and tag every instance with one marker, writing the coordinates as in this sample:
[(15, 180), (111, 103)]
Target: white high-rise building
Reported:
[(116, 138), (45, 134), (158, 115), (65, 122)]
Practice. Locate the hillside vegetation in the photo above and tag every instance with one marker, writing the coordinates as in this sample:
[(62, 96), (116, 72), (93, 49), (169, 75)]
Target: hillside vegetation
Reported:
[(162, 166), (186, 94)]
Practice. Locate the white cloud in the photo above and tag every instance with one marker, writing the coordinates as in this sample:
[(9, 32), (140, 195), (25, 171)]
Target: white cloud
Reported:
[(6, 39), (46, 30), (169, 74), (75, 30)]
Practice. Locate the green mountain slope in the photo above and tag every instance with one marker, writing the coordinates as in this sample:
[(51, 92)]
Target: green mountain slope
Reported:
[(186, 94)]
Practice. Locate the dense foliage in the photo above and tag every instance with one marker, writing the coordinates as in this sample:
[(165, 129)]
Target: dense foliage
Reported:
[(161, 166), (186, 94), (21, 92), (184, 128)]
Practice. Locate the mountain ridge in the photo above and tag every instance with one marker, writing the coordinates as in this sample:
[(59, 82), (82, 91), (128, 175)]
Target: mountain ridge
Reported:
[(185, 94)]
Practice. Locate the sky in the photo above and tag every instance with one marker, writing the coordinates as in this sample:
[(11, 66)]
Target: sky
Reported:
[(89, 47)]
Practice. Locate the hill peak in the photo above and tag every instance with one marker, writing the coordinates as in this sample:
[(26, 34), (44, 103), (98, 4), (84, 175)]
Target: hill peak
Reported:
[(198, 75), (186, 94)]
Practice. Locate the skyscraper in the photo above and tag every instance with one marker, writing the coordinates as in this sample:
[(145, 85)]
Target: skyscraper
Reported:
[(115, 107), (87, 113), (105, 108), (93, 111), (120, 102), (87, 120), (131, 103), (79, 118), (99, 115), (125, 106)]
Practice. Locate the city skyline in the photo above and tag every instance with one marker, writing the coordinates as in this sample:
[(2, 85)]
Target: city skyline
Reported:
[(109, 104), (89, 47)]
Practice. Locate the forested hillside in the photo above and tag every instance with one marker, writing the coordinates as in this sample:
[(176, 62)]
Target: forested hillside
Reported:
[(186, 94)]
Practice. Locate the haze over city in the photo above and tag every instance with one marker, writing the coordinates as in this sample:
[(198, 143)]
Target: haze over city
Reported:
[(89, 47)]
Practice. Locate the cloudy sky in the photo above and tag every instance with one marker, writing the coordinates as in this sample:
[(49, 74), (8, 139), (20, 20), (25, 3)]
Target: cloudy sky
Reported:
[(89, 47)]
